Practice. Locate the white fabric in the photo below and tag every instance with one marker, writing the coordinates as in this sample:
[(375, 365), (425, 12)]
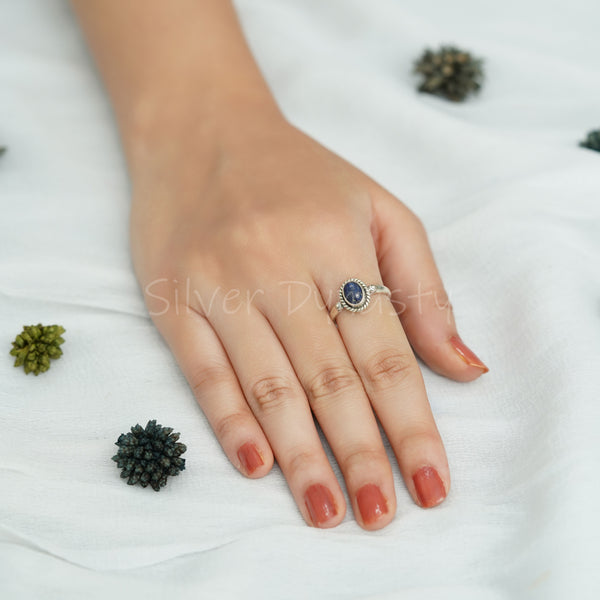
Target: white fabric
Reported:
[(513, 210)]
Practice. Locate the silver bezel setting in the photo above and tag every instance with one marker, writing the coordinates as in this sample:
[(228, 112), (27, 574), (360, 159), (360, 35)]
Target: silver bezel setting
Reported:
[(365, 300)]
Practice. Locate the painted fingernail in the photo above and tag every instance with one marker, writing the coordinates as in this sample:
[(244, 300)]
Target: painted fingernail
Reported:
[(250, 457), (466, 353), (429, 486), (320, 504), (371, 503)]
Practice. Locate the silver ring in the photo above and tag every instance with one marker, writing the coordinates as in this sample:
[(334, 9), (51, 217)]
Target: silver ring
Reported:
[(355, 296)]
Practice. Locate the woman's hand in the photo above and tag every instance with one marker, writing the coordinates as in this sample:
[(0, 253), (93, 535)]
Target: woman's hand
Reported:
[(240, 246), (242, 231)]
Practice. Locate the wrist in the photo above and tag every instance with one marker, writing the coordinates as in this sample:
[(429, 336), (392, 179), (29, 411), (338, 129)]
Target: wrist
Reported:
[(167, 141), (180, 75)]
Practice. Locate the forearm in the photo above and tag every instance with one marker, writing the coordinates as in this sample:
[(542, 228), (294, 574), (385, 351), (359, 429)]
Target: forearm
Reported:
[(174, 71)]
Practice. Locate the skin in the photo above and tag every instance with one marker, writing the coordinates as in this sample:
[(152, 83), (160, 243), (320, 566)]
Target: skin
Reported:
[(229, 202)]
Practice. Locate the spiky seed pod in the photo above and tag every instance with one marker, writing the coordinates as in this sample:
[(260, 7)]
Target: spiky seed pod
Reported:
[(36, 345), (148, 456), (449, 72), (592, 141)]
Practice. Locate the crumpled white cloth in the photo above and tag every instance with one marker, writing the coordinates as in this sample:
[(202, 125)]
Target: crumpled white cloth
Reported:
[(512, 206)]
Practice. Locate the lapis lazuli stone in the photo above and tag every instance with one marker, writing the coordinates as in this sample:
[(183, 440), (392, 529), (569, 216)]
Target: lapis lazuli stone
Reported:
[(353, 293)]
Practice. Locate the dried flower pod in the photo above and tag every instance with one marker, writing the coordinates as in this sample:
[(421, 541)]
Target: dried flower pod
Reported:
[(592, 141), (2, 150), (449, 72), (148, 456), (36, 345)]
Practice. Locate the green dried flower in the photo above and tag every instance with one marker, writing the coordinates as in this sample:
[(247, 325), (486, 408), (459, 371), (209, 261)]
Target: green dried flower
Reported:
[(592, 141), (2, 150), (36, 345), (148, 456), (449, 72)]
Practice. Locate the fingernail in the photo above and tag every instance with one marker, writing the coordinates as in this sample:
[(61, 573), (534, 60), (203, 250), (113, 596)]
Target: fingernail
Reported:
[(250, 457), (466, 353), (371, 503), (429, 486), (320, 504)]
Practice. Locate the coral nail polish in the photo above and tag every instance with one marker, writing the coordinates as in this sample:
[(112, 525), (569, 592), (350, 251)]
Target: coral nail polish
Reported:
[(250, 457), (429, 486), (371, 503), (466, 353), (320, 504)]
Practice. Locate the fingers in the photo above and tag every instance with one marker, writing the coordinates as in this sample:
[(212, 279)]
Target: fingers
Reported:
[(340, 404), (279, 403), (259, 378), (408, 269), (206, 367), (382, 356)]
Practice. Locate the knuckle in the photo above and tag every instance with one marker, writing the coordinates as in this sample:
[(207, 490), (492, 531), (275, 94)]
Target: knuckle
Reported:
[(330, 381), (360, 456), (208, 377), (422, 437), (269, 394), (389, 368), (224, 427), (300, 461), (441, 299)]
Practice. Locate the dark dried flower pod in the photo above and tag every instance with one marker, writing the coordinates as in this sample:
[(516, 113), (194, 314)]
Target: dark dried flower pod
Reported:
[(148, 456), (36, 345), (592, 141), (449, 72)]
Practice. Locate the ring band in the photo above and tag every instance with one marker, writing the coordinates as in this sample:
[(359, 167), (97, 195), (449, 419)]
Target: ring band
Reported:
[(355, 296)]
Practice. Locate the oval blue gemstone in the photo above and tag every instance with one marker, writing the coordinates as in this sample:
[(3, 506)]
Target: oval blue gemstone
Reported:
[(353, 293)]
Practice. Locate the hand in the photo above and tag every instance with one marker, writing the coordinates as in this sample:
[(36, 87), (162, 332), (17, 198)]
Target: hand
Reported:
[(240, 247)]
